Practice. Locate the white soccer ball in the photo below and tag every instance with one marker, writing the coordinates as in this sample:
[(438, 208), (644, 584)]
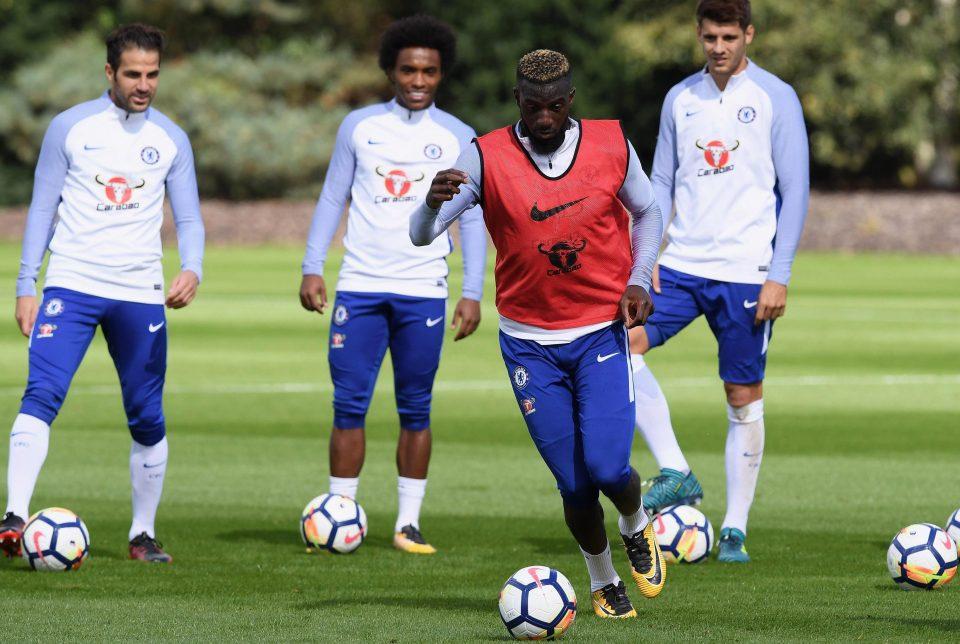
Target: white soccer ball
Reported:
[(921, 557), (953, 527), (55, 539), (334, 523), (684, 534), (536, 603)]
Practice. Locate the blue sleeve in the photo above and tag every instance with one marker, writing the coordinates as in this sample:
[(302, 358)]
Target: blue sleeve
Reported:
[(665, 161), (185, 201), (637, 196), (791, 161), (48, 183), (333, 198)]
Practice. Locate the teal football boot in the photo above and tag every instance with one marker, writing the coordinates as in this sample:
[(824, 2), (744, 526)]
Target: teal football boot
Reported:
[(732, 548), (672, 487)]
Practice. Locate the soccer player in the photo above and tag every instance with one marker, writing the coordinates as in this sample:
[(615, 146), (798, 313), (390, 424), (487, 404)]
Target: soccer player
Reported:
[(391, 294), (732, 157), (104, 168), (570, 274)]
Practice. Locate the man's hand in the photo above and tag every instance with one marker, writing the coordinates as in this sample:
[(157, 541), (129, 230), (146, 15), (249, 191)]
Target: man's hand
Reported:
[(635, 306), (313, 293), (26, 313), (772, 301), (445, 185), (183, 290), (656, 278), (467, 314)]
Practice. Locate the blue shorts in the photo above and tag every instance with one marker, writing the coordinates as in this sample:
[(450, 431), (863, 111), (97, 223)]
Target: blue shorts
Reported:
[(730, 309), (577, 400), (136, 336), (364, 325)]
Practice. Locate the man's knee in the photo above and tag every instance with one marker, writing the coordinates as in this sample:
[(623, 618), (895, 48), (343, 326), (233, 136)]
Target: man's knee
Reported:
[(741, 395)]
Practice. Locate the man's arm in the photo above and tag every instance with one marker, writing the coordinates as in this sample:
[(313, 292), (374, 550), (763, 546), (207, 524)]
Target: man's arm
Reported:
[(452, 193), (637, 196), (665, 160), (326, 216), (48, 183), (185, 201)]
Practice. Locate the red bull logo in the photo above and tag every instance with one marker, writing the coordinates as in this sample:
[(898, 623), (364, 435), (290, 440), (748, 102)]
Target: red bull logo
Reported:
[(398, 184)]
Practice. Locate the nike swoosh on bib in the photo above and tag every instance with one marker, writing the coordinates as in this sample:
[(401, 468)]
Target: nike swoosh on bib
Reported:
[(539, 215)]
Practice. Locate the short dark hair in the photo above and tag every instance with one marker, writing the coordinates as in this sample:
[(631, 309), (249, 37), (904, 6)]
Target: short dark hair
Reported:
[(136, 35), (543, 66), (725, 12), (419, 30)]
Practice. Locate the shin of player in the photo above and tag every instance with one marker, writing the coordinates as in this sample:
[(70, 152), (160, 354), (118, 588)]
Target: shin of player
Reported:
[(391, 295), (558, 195), (90, 169), (732, 140)]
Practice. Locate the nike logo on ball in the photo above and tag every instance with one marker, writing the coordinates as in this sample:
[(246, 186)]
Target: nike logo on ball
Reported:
[(539, 215), (748, 305), (350, 538), (153, 328), (432, 322), (607, 357)]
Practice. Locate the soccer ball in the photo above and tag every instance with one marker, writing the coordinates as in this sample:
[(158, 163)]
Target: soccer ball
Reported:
[(537, 603), (922, 556), (684, 534), (953, 527), (333, 522), (55, 539)]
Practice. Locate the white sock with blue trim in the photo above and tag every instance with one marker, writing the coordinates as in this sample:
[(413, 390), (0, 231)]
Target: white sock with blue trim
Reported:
[(29, 439), (653, 418), (148, 466), (744, 453)]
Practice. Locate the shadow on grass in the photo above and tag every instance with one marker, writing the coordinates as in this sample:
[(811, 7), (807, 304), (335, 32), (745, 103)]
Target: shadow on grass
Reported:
[(456, 604), (547, 545)]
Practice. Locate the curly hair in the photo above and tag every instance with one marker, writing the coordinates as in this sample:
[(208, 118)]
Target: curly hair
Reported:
[(543, 66), (420, 30), (135, 35)]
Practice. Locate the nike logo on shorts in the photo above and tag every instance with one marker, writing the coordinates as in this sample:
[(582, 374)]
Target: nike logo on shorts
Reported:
[(434, 322), (153, 328), (607, 357), (540, 215), (748, 305)]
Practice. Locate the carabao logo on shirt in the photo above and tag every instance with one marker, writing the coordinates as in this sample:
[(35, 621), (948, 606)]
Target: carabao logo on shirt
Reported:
[(119, 191), (397, 183), (716, 153)]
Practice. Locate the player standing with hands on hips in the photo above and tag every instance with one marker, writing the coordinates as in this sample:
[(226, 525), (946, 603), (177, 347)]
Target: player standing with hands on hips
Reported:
[(732, 156), (391, 294), (570, 275), (104, 169)]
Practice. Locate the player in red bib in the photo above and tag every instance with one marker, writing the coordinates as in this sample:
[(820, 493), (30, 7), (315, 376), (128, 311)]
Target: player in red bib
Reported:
[(571, 277)]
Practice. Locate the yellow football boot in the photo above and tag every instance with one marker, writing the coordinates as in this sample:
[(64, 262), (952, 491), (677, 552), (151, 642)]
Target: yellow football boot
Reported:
[(611, 602), (646, 563), (410, 540)]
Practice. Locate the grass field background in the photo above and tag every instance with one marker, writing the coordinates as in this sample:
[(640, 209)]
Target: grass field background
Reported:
[(863, 437)]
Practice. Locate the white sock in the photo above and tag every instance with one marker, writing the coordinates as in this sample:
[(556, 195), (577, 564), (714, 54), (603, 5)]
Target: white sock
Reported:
[(743, 455), (631, 525), (410, 493), (653, 418), (344, 486), (600, 568), (29, 439), (148, 465)]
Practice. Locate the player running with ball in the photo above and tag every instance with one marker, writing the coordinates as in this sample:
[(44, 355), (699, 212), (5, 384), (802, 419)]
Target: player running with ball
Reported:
[(556, 193), (732, 156), (104, 169), (390, 294)]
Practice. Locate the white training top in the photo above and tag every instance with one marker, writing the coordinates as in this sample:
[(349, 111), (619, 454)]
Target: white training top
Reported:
[(736, 164), (98, 203)]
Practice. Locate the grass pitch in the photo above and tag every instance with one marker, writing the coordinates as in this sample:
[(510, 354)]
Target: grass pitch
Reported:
[(863, 429)]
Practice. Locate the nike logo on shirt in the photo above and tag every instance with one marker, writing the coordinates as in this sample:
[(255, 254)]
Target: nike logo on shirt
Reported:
[(432, 322), (93, 147), (748, 305), (607, 357), (372, 142), (694, 112), (540, 215), (153, 328)]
